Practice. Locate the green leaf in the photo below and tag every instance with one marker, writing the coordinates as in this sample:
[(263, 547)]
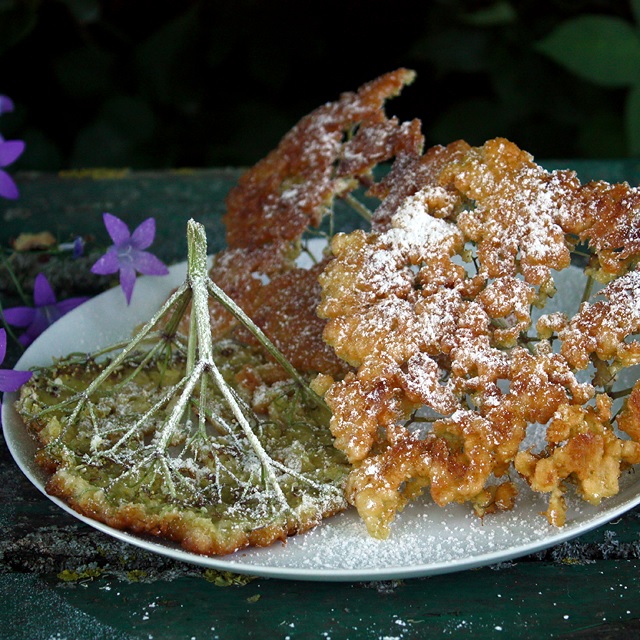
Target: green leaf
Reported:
[(496, 15), (602, 49), (635, 9), (632, 120), (17, 21)]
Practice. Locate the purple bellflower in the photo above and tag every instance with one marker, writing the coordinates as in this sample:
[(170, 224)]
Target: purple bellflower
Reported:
[(10, 380), (127, 254), (6, 104), (45, 312), (10, 151), (76, 247)]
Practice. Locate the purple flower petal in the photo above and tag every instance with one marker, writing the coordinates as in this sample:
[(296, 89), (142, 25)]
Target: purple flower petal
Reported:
[(45, 312), (19, 316), (148, 264), (3, 344), (8, 188), (43, 294), (40, 322), (10, 151), (78, 247), (127, 281), (107, 264), (12, 380), (127, 254), (70, 303), (6, 104), (118, 230), (143, 235)]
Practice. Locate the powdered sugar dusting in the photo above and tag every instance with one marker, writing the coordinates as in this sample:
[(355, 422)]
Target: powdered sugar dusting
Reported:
[(414, 231), (427, 539), (624, 294)]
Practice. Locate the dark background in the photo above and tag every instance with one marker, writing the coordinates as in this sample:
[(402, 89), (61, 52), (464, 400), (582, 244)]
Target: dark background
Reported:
[(197, 83)]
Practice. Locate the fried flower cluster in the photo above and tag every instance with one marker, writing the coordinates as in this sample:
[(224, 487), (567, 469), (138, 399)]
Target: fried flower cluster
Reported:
[(452, 374), (428, 331), (329, 154), (205, 489)]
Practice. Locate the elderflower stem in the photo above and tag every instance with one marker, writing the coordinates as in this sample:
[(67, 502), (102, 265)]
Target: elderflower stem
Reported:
[(191, 344), (262, 338), (358, 207), (169, 428), (621, 393), (198, 279), (588, 288), (246, 321), (139, 424)]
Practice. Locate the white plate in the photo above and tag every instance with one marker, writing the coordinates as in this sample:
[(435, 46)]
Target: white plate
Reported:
[(425, 539)]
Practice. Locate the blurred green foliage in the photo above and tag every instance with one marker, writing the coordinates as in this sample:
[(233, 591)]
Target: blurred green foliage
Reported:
[(162, 83)]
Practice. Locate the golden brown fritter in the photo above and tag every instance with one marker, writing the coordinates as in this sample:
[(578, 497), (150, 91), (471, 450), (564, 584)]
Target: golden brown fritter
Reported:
[(611, 226), (433, 309), (285, 309), (327, 155), (205, 488), (411, 172)]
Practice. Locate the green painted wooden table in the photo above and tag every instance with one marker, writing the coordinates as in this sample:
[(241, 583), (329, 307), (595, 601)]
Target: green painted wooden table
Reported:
[(62, 579)]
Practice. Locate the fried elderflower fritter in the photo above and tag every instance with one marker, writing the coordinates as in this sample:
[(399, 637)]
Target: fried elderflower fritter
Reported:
[(329, 154), (433, 310), (326, 155), (202, 486), (204, 443)]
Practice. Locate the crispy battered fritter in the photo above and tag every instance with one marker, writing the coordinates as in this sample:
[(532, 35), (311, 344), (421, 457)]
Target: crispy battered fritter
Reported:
[(433, 309), (327, 155), (207, 492)]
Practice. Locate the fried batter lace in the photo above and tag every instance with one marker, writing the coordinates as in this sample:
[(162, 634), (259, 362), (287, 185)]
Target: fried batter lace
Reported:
[(451, 371)]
